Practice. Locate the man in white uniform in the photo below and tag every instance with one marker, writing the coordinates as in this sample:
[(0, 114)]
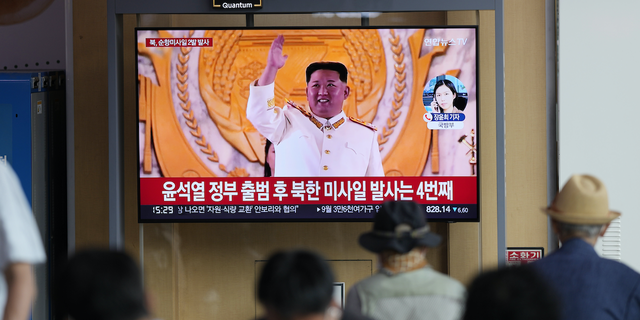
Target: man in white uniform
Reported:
[(20, 247), (323, 142)]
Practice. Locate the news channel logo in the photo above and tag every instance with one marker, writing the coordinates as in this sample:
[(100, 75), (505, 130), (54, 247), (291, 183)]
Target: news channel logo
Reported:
[(443, 94)]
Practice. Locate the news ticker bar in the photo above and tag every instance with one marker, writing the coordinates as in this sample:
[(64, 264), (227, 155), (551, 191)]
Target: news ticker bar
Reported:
[(149, 213)]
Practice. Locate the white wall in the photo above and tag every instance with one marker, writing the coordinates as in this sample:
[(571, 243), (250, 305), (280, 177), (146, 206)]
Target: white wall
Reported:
[(599, 109)]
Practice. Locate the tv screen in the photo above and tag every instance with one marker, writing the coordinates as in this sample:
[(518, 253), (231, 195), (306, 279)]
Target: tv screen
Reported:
[(407, 128)]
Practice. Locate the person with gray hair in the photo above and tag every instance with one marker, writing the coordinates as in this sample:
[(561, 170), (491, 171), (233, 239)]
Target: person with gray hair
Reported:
[(588, 286), (406, 287)]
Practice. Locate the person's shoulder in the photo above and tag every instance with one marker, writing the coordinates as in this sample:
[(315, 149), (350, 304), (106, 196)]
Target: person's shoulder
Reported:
[(541, 264), (9, 181), (446, 281), (371, 282), (297, 109), (350, 315), (362, 123), (294, 111), (622, 279), (6, 171), (376, 277), (560, 260), (435, 282), (360, 129), (620, 269)]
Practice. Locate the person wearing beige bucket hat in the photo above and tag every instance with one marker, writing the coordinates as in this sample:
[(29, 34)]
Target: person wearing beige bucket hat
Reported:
[(588, 286), (582, 200), (401, 238)]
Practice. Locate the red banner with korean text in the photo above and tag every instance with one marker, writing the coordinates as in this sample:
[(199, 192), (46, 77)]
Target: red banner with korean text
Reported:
[(348, 190)]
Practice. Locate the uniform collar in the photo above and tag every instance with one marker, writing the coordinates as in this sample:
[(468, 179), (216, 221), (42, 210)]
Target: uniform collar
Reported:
[(335, 122)]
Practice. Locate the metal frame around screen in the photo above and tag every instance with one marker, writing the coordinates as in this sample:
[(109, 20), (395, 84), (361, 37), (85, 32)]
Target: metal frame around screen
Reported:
[(116, 8), (431, 219)]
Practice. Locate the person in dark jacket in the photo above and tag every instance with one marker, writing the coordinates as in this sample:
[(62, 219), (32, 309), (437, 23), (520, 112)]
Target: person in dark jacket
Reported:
[(588, 286)]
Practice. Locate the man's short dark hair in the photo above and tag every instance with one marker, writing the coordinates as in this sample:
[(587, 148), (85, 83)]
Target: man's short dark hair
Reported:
[(101, 285), (295, 283), (514, 293), (328, 65)]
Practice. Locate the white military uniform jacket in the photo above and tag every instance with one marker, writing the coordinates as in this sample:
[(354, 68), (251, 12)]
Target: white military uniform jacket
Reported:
[(308, 146)]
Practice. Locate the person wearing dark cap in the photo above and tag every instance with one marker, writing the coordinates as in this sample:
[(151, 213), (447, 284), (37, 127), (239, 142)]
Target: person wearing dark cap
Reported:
[(323, 142), (588, 286), (406, 287)]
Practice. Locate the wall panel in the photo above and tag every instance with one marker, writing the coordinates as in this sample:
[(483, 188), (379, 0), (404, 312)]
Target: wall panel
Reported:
[(130, 125), (586, 143), (90, 123), (464, 246), (473, 247), (488, 182), (207, 270), (525, 104)]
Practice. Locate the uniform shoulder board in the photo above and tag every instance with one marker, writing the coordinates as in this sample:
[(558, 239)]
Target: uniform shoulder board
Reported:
[(305, 113), (366, 124), (301, 109)]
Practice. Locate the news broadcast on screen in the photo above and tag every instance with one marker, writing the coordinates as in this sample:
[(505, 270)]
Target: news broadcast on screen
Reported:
[(218, 142)]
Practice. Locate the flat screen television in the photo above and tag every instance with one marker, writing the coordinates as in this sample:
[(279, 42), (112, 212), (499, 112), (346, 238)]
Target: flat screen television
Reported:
[(201, 159)]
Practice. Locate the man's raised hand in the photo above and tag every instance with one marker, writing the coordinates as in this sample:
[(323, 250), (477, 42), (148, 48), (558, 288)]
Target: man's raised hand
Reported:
[(276, 58), (275, 61)]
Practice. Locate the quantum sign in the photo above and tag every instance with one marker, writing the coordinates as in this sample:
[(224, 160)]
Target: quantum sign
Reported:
[(220, 4)]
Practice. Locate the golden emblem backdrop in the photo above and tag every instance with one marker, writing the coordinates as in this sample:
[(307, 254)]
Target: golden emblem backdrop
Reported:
[(237, 57)]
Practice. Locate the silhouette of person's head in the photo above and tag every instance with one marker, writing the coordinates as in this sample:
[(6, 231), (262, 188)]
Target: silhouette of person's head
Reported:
[(513, 293), (295, 283), (101, 285)]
